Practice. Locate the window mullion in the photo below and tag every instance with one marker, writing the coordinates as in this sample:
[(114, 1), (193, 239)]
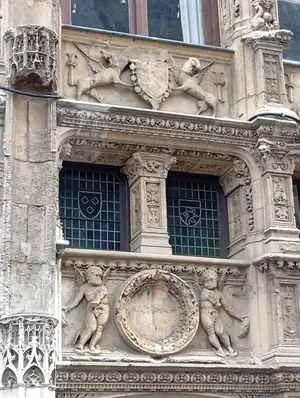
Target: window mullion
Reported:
[(138, 17)]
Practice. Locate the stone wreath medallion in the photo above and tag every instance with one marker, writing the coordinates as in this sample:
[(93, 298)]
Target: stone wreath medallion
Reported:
[(156, 312)]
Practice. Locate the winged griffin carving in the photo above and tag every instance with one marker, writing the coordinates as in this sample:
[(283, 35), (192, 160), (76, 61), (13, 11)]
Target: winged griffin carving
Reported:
[(107, 70), (209, 286), (153, 80), (91, 287), (189, 78)]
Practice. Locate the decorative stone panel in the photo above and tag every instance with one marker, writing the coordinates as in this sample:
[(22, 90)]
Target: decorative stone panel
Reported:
[(28, 350), (32, 57), (144, 303)]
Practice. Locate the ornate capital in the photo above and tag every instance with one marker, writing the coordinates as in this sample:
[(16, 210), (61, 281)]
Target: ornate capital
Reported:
[(28, 349), (260, 38), (148, 165), (32, 58), (276, 156)]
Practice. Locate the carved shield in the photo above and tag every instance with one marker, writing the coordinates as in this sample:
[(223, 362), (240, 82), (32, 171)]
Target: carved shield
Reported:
[(89, 204), (190, 212), (151, 81)]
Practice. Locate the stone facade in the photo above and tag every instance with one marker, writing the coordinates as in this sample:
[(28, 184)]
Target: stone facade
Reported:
[(83, 323)]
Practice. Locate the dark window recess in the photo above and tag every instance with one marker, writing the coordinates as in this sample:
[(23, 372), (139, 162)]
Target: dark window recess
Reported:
[(296, 191), (194, 207), (191, 21), (289, 12), (164, 19), (108, 15), (91, 208)]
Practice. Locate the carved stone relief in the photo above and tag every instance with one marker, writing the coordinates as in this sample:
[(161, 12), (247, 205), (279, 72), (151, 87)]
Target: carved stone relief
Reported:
[(211, 300), (33, 52), (91, 287), (153, 76), (290, 310), (153, 80), (28, 349), (271, 63), (280, 199), (289, 85), (265, 16), (106, 70), (148, 165), (153, 197), (144, 303), (189, 78), (235, 210)]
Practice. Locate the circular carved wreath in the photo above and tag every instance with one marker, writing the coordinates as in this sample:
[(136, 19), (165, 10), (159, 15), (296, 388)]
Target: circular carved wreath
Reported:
[(188, 317)]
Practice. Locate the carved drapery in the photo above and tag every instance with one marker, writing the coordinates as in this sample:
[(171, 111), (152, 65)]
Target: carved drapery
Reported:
[(28, 349)]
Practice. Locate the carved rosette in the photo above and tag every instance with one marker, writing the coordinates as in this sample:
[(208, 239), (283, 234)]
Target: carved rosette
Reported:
[(28, 348), (157, 312), (32, 59)]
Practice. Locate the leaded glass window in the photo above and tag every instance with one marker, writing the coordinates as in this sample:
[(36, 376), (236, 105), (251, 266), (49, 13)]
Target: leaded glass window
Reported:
[(90, 207), (193, 208)]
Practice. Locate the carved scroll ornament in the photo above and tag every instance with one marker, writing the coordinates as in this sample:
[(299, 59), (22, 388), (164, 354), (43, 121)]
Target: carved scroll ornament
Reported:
[(157, 312)]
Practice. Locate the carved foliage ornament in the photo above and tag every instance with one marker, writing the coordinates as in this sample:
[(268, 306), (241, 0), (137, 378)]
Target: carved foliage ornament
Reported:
[(28, 350), (33, 55), (142, 305)]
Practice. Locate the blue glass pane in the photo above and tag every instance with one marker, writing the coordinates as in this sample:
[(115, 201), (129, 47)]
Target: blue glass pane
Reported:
[(193, 220), (89, 209)]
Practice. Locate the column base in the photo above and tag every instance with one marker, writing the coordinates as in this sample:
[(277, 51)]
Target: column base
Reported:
[(151, 243), (284, 355)]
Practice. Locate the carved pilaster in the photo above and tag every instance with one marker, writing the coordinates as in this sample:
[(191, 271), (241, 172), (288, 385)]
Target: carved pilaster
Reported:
[(28, 351), (147, 173), (283, 277), (276, 161), (32, 57), (238, 190)]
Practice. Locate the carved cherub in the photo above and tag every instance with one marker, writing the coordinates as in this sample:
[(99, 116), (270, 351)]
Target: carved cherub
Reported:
[(211, 300), (189, 78), (91, 287), (103, 74)]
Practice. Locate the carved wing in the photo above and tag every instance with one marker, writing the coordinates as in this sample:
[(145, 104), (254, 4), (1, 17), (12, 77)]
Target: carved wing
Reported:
[(200, 74), (245, 327), (221, 281), (79, 276), (106, 274), (95, 64), (196, 284)]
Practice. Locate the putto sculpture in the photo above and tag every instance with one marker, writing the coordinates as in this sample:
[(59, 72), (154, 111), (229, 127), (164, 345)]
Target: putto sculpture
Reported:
[(91, 287), (189, 78), (211, 300)]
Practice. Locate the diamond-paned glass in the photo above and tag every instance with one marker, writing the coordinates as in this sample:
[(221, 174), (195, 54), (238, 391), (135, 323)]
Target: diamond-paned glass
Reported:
[(193, 219), (89, 203)]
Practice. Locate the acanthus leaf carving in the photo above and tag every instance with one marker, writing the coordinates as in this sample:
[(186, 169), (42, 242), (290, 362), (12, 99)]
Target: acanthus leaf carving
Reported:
[(150, 165)]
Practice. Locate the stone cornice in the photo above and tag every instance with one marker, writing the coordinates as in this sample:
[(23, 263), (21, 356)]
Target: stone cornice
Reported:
[(165, 125), (251, 380), (273, 262), (134, 122)]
